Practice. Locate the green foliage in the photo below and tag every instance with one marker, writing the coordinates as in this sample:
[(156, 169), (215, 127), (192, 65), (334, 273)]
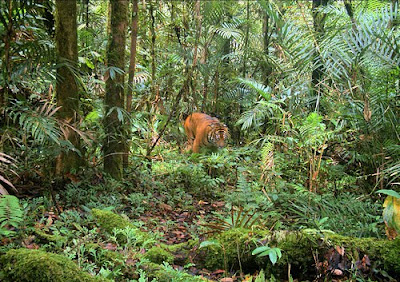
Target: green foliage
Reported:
[(239, 218), (297, 159), (273, 253), (139, 202), (346, 214), (11, 215), (124, 231), (389, 193), (248, 193), (191, 176), (168, 273), (132, 237), (39, 122), (99, 195)]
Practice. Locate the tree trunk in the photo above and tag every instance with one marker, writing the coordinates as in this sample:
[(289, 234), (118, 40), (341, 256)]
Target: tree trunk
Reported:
[(153, 52), (195, 51), (246, 39), (4, 92), (132, 66), (266, 40), (66, 86), (113, 147), (317, 74)]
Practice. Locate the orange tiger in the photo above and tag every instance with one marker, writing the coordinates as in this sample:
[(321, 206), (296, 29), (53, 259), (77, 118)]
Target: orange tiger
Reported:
[(205, 131)]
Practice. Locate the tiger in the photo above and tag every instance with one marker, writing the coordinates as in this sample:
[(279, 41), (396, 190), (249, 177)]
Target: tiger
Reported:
[(203, 130)]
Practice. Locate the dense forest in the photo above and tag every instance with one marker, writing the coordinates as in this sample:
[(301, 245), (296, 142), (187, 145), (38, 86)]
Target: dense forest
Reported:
[(108, 171)]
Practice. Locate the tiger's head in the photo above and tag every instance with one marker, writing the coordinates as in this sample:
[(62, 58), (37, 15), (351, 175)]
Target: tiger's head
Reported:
[(218, 134)]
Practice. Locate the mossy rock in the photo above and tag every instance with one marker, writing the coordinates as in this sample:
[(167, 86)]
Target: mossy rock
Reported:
[(159, 255), (36, 265), (108, 221)]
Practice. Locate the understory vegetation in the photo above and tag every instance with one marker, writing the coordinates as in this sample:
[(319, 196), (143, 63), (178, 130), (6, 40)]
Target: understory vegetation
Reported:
[(97, 179)]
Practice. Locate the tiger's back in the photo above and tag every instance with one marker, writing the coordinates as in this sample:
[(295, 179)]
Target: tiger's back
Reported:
[(203, 130)]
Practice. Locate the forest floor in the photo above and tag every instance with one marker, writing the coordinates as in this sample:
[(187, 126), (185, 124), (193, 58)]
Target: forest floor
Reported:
[(176, 201)]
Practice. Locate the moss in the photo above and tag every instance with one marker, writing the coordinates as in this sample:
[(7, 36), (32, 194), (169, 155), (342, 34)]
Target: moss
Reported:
[(36, 265), (384, 251), (164, 273), (182, 252), (159, 255), (234, 249), (181, 246), (297, 249), (50, 238), (108, 221)]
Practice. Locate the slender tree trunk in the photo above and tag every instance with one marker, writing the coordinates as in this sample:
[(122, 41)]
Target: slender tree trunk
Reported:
[(195, 51), (246, 39), (132, 66), (205, 94), (66, 86), (153, 51), (4, 93), (113, 147), (317, 74), (216, 90), (266, 40)]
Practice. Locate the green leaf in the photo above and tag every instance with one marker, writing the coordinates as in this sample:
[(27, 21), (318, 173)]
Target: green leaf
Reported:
[(209, 243), (278, 252), (323, 220), (389, 193), (261, 250), (272, 256)]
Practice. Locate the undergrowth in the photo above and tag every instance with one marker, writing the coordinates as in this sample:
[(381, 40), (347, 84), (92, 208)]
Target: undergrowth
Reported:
[(181, 184)]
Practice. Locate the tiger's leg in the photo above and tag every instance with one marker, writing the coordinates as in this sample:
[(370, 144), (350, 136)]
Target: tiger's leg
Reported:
[(196, 146), (190, 137)]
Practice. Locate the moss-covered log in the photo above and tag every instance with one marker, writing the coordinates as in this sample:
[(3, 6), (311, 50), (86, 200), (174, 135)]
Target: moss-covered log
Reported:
[(308, 253), (36, 265)]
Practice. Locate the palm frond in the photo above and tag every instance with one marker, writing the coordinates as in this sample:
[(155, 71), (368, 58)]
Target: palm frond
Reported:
[(38, 122), (6, 162)]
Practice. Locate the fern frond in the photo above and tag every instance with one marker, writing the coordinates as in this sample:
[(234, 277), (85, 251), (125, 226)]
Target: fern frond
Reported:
[(11, 214)]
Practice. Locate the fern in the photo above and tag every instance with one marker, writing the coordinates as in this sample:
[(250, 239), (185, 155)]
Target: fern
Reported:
[(11, 214), (239, 218)]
